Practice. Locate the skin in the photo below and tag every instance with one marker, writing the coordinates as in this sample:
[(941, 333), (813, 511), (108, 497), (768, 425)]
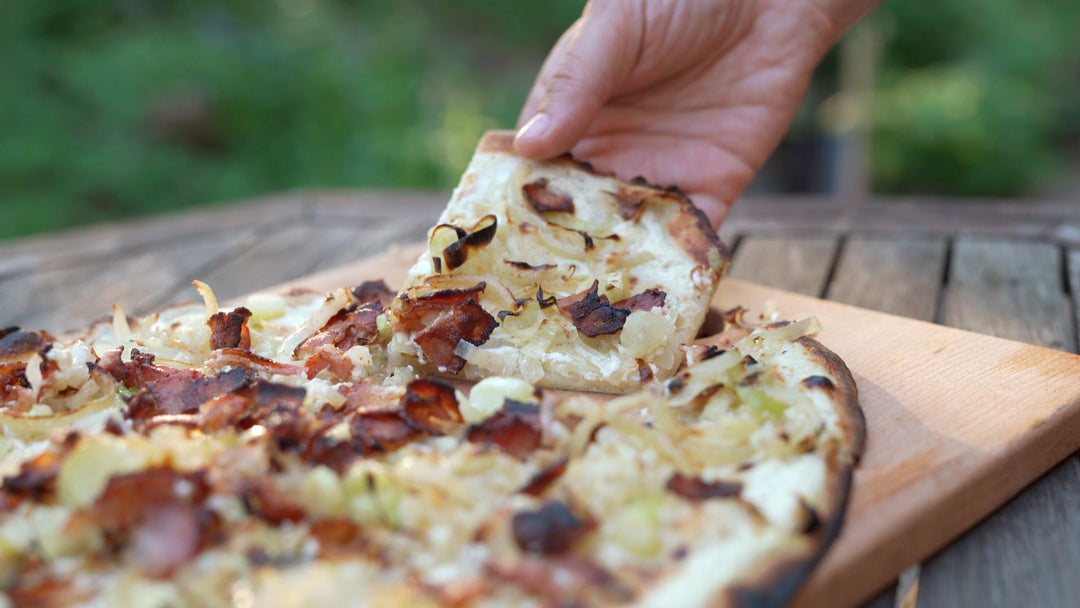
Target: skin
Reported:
[(692, 93)]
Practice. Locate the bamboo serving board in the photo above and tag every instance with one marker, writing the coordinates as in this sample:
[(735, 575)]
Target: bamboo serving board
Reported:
[(957, 423)]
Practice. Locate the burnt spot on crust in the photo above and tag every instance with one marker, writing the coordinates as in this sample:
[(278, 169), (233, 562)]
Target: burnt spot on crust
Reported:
[(646, 300), (429, 404), (543, 300), (695, 488), (851, 414), (593, 314), (544, 198), (629, 200), (818, 382), (550, 530), (696, 237), (542, 480), (527, 266), (457, 253), (229, 329), (16, 344), (515, 429)]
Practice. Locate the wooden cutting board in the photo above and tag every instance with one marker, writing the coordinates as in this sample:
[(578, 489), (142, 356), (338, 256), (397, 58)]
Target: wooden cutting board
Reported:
[(957, 424)]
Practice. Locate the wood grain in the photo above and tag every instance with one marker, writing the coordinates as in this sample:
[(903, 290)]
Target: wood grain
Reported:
[(798, 264), (1014, 558), (901, 276), (73, 296), (1011, 289)]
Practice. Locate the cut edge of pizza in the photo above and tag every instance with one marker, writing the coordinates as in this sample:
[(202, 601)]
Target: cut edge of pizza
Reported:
[(558, 274)]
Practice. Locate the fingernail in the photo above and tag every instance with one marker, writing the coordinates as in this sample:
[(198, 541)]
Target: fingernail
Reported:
[(535, 128)]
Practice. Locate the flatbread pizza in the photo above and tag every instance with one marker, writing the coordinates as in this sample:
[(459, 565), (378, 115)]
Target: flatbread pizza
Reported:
[(306, 449)]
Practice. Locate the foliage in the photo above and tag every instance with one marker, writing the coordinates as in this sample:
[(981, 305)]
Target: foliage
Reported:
[(975, 99), (115, 108), (122, 107)]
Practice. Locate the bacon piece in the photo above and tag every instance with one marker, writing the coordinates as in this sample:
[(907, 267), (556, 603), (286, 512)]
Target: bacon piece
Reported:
[(444, 318), (593, 314), (550, 530), (263, 499), (230, 330), (542, 198), (155, 513), (136, 373), (15, 391), (329, 359), (18, 345), (545, 477), (373, 291), (183, 391), (351, 326), (382, 431), (235, 357), (339, 538), (33, 586), (646, 300), (515, 429), (366, 396), (36, 478), (427, 401), (694, 488)]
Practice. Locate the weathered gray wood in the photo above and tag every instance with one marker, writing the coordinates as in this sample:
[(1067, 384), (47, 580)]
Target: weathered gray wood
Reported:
[(1056, 221), (1020, 555), (1023, 555), (1073, 261), (1011, 289), (901, 276), (799, 264), (131, 237), (74, 296), (275, 257)]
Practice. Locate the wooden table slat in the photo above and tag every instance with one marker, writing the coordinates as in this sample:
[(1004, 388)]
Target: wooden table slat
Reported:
[(795, 264), (1014, 290), (1010, 289), (901, 276)]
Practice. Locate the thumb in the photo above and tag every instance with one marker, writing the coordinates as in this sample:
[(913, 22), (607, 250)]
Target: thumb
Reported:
[(579, 76)]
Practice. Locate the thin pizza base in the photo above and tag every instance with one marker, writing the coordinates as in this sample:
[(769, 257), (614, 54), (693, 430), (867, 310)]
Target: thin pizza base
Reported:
[(721, 486)]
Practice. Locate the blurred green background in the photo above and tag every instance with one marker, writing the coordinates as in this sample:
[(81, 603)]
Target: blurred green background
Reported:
[(115, 108)]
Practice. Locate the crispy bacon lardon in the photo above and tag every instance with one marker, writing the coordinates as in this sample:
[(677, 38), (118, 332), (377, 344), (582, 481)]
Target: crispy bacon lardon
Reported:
[(430, 404), (593, 314), (515, 429), (354, 325), (229, 329), (442, 319)]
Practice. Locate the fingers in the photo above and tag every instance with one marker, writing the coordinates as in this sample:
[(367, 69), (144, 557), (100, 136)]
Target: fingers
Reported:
[(579, 77)]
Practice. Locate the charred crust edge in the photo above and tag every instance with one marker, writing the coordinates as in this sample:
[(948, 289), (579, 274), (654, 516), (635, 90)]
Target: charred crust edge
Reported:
[(778, 583)]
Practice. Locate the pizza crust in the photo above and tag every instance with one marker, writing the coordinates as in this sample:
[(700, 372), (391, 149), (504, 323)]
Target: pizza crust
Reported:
[(558, 226)]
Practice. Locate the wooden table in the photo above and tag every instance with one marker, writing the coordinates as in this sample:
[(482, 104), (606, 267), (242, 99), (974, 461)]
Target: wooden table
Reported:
[(1006, 269)]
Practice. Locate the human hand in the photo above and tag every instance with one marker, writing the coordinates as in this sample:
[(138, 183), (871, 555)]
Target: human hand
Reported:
[(691, 93)]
